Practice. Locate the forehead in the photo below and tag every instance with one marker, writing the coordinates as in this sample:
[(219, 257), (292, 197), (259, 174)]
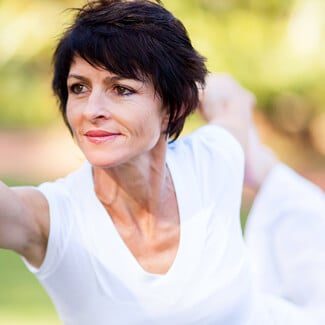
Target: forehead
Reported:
[(81, 65), (83, 70)]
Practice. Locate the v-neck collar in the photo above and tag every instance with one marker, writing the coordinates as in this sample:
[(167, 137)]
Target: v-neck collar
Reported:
[(111, 253)]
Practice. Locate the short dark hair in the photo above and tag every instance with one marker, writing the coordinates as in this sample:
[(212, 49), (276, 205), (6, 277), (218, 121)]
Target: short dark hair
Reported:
[(134, 39)]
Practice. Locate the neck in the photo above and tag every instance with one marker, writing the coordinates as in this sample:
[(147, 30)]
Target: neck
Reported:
[(137, 189)]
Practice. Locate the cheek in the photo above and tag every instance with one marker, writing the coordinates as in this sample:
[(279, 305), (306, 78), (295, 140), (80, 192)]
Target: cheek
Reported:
[(69, 120), (71, 116), (146, 127), (154, 126), (72, 124)]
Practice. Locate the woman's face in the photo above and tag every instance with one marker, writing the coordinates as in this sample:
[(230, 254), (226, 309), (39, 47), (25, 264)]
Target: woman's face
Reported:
[(114, 120)]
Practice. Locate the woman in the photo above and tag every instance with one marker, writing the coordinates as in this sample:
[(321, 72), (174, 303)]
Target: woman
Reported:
[(147, 231)]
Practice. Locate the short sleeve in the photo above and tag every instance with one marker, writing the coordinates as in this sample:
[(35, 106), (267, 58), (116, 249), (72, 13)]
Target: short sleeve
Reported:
[(60, 228)]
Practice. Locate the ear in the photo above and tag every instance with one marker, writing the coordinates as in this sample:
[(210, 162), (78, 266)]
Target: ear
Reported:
[(165, 118), (164, 122)]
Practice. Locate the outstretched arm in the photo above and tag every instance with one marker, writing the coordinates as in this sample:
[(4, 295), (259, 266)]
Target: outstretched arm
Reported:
[(24, 222)]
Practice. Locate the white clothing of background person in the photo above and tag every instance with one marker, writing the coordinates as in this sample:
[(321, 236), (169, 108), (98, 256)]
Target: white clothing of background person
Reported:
[(285, 236)]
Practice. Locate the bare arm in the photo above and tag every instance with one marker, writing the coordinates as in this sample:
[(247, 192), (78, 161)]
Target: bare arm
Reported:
[(24, 222), (226, 103)]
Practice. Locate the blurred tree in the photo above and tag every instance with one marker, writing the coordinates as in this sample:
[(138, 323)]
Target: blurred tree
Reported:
[(275, 48), (27, 34), (268, 8)]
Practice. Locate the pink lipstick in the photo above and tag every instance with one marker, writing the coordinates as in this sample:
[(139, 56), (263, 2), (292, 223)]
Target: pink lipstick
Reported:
[(100, 136)]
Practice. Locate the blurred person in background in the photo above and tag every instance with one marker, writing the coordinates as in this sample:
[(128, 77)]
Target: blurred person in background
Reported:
[(148, 230)]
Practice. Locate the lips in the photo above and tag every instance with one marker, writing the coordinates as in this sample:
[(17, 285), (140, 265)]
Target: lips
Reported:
[(100, 136)]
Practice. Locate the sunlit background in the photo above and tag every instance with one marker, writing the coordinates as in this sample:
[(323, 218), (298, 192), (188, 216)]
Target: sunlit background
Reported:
[(273, 47)]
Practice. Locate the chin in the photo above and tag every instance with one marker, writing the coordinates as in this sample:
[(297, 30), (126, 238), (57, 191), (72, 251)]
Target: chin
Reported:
[(98, 163), (105, 161)]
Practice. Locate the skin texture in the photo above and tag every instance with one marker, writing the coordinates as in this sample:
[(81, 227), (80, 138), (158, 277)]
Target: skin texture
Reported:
[(130, 175), (128, 109)]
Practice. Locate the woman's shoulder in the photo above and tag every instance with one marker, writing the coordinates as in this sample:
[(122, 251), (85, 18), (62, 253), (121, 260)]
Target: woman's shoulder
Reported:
[(72, 181), (69, 188)]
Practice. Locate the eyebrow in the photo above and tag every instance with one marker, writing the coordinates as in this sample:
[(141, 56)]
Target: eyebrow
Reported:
[(72, 75), (113, 78)]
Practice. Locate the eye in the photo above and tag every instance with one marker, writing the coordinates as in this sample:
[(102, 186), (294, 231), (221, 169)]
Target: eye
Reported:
[(78, 88), (123, 91)]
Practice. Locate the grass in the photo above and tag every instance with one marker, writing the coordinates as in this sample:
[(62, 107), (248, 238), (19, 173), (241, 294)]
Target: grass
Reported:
[(23, 301)]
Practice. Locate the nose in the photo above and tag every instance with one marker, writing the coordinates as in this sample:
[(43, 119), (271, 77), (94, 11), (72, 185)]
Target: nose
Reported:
[(97, 106)]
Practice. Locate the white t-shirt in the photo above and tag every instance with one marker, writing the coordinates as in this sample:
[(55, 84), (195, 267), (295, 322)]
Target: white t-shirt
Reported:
[(93, 278)]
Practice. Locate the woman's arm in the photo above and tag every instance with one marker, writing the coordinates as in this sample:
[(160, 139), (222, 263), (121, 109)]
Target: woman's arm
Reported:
[(226, 103), (24, 222)]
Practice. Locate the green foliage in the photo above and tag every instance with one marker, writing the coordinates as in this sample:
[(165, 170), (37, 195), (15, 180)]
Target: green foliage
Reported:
[(27, 36), (26, 98), (268, 8), (273, 47)]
